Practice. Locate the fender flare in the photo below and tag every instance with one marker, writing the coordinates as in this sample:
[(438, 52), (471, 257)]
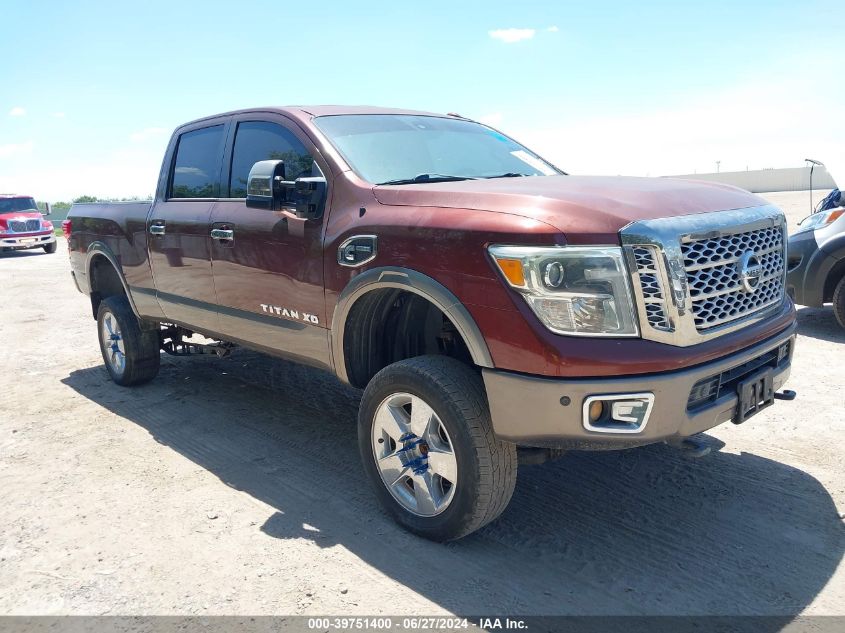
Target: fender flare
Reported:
[(98, 249), (835, 246), (835, 250), (419, 284), (820, 265)]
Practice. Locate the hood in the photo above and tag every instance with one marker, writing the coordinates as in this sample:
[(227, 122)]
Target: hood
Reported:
[(22, 215), (586, 209)]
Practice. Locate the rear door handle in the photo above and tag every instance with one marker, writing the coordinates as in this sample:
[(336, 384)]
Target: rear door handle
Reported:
[(157, 228), (222, 234)]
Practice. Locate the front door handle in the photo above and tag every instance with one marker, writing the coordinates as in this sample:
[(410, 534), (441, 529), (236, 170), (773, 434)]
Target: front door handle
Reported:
[(222, 234), (157, 229)]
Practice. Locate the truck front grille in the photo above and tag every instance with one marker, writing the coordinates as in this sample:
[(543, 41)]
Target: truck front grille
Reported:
[(25, 226), (713, 275), (700, 276), (654, 296)]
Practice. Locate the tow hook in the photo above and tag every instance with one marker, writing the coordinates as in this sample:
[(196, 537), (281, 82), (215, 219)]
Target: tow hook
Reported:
[(786, 394), (690, 447)]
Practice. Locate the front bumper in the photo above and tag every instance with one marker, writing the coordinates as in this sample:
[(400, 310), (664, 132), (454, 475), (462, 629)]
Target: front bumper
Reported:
[(26, 241), (529, 410)]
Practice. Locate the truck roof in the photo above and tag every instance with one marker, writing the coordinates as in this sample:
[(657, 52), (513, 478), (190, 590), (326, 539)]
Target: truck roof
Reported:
[(305, 112), (14, 195)]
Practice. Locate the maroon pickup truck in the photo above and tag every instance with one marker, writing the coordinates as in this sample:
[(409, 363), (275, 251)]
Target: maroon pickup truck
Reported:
[(492, 308)]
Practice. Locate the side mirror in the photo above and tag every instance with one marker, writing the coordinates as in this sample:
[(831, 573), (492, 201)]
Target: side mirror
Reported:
[(267, 189), (262, 186), (309, 195), (47, 208)]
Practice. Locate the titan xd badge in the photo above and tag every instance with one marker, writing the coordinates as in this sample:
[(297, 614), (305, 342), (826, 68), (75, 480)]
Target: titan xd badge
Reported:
[(287, 313)]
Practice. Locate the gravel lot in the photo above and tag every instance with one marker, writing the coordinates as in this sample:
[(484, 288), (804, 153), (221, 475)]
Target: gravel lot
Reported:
[(234, 486)]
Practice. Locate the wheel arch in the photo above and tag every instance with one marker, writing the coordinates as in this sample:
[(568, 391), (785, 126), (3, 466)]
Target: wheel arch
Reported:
[(418, 284), (834, 250), (100, 255)]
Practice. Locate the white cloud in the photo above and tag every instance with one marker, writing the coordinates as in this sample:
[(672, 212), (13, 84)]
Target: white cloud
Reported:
[(17, 111), (552, 29), (114, 176), (58, 115), (15, 149), (147, 134), (683, 133), (512, 36), (494, 118), (735, 127)]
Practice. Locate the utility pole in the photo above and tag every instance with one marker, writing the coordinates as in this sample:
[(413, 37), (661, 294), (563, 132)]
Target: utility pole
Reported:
[(813, 164), (718, 162)]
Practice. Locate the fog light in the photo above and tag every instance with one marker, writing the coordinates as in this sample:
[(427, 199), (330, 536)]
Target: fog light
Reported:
[(628, 412)]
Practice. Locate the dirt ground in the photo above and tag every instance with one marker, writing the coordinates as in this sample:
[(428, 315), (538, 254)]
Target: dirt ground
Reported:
[(234, 486)]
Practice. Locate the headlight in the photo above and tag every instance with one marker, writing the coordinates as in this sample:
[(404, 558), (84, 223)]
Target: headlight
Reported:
[(819, 220), (581, 290)]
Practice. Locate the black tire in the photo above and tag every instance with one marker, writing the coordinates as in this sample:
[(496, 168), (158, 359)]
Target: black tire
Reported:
[(141, 349), (486, 466), (50, 248), (839, 301)]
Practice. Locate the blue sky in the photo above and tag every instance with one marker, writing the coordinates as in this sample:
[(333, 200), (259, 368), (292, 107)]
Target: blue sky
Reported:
[(91, 90)]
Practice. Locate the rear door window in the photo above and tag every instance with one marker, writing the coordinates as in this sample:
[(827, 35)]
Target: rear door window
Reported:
[(196, 168), (262, 140)]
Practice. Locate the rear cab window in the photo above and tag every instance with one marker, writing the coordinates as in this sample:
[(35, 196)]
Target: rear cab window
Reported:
[(195, 171)]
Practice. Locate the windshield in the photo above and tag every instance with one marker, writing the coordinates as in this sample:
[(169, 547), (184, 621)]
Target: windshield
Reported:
[(401, 148), (12, 205)]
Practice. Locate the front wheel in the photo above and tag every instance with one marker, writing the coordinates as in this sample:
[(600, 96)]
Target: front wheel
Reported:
[(839, 301), (428, 448), (132, 355), (50, 248)]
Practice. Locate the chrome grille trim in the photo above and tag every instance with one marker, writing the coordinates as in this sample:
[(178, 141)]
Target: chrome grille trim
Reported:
[(24, 225), (684, 272), (651, 284), (713, 279)]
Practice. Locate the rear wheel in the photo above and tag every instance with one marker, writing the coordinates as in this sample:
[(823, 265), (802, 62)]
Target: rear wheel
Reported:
[(132, 355), (839, 301), (428, 448), (50, 248)]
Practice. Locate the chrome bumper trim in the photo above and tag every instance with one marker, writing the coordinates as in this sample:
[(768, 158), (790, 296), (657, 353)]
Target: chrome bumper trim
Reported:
[(30, 241)]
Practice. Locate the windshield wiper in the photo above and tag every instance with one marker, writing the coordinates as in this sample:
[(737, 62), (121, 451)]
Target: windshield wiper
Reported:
[(509, 174), (426, 178)]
